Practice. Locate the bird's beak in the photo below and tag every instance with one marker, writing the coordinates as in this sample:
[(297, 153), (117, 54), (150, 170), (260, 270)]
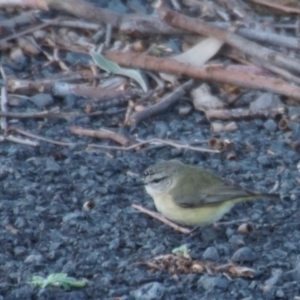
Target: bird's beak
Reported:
[(138, 183)]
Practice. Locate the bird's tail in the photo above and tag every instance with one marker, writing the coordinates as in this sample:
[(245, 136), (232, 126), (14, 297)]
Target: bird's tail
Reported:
[(266, 196)]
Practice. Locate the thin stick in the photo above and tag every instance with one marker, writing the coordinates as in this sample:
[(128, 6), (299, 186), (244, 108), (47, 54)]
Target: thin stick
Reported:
[(21, 141), (28, 30), (250, 48), (38, 137), (208, 73), (3, 105), (241, 113), (101, 134), (43, 114), (286, 9), (3, 120), (161, 218), (163, 105), (155, 140)]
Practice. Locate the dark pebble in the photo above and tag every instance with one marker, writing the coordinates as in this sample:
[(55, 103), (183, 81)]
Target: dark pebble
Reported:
[(244, 254), (211, 254), (270, 125), (161, 130), (19, 250), (42, 100), (264, 160), (23, 293), (150, 291), (209, 282)]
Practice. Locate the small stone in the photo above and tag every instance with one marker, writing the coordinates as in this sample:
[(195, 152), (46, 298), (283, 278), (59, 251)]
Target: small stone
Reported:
[(294, 126), (34, 259), (264, 160), (244, 254), (229, 232), (70, 101), (17, 56), (290, 246), (72, 216), (280, 294), (211, 254), (279, 254), (24, 293), (161, 130), (184, 110), (211, 282), (237, 240), (19, 250), (52, 166), (42, 100), (293, 111), (150, 291), (126, 297), (266, 101), (270, 125), (293, 275)]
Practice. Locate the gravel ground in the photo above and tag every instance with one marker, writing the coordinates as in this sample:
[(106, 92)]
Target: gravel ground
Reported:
[(44, 229)]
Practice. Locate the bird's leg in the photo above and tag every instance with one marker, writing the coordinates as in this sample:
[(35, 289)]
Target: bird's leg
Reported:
[(161, 218)]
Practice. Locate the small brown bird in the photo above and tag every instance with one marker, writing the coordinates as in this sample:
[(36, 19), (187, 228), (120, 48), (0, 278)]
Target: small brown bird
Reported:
[(192, 196)]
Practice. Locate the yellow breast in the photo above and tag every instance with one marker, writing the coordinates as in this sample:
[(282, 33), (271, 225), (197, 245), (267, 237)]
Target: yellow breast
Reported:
[(197, 216)]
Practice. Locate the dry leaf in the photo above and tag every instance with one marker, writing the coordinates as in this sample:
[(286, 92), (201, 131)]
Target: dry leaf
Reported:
[(196, 56)]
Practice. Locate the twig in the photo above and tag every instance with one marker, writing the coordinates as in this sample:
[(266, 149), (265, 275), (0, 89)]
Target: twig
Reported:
[(208, 73), (177, 145), (55, 59), (77, 24), (264, 36), (129, 111), (86, 10), (38, 137), (59, 88), (43, 114), (140, 24), (276, 70), (108, 35), (23, 19), (28, 30), (250, 48), (163, 105), (21, 141), (266, 68), (101, 134), (55, 114), (3, 120), (238, 113), (161, 218), (78, 8), (286, 9)]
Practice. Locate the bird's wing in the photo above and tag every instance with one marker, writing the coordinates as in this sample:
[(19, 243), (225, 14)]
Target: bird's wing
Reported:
[(209, 191)]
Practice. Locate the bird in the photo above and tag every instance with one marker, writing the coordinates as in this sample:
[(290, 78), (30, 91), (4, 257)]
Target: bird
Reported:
[(191, 196)]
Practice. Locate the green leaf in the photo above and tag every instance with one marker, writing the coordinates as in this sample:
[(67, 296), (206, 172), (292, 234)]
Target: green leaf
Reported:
[(183, 249), (58, 280), (112, 67)]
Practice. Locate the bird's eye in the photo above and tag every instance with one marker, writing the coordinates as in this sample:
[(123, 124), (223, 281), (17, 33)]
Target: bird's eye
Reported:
[(156, 180)]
